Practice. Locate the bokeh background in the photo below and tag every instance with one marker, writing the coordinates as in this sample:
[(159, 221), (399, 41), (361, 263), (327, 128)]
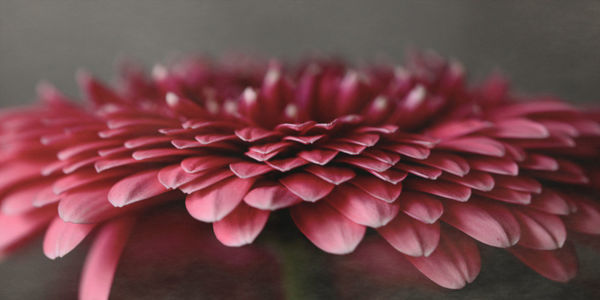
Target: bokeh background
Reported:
[(550, 47)]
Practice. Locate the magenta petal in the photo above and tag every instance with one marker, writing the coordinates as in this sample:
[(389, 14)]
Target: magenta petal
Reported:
[(205, 179), (378, 188), (307, 186), (410, 236), (136, 187), (215, 202), (62, 237), (551, 202), (245, 169), (318, 156), (450, 163), (326, 228), (334, 175), (458, 128), (453, 264), (271, 196), (102, 259), (496, 165), (241, 226), (518, 183), (506, 195), (173, 176), (439, 188), (540, 230), (489, 223), (520, 129), (539, 162), (475, 179), (477, 145), (204, 163), (423, 207), (558, 265), (587, 217), (14, 229), (361, 208)]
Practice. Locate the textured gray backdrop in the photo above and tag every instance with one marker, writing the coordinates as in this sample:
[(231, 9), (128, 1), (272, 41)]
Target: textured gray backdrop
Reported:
[(544, 46)]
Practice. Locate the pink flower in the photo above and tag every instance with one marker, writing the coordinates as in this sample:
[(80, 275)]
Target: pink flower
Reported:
[(432, 165)]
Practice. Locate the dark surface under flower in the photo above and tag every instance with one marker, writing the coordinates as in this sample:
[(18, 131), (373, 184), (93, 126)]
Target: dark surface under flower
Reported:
[(433, 165)]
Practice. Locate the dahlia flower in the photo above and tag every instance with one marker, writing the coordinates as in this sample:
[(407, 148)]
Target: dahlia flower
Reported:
[(431, 164)]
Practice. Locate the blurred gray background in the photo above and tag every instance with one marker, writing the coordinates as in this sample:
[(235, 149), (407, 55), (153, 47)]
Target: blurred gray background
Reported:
[(544, 46)]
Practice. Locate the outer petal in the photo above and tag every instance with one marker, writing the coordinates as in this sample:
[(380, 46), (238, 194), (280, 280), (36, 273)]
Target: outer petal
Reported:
[(558, 265), (410, 236), (217, 201), (241, 226), (102, 259), (453, 264), (540, 230), (271, 196), (307, 186), (62, 237), (362, 208), (14, 229), (134, 188), (488, 223), (420, 206), (327, 228)]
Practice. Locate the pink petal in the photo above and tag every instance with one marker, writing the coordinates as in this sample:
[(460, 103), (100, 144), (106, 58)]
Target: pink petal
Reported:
[(361, 208), (14, 229), (217, 201), (363, 139), (20, 199), (413, 151), (318, 156), (410, 236), (161, 153), (587, 217), (496, 165), (439, 188), (489, 223), (365, 163), (250, 134), (506, 195), (450, 163), (539, 162), (391, 176), (84, 177), (423, 207), (271, 196), (520, 129), (518, 183), (173, 176), (389, 158), (476, 145), (307, 186), (306, 140), (286, 164), (203, 163), (378, 188), (244, 169), (551, 202), (475, 179), (420, 170), (62, 237), (458, 128), (558, 265), (335, 175), (454, 263), (205, 179), (540, 230), (102, 259), (241, 226), (136, 187), (326, 228), (344, 147)]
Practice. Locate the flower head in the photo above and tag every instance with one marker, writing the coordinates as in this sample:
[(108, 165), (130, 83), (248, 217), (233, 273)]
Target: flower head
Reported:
[(433, 165)]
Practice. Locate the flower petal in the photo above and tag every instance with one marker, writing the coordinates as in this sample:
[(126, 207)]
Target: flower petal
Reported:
[(410, 236), (241, 226), (217, 201), (62, 237), (326, 228)]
